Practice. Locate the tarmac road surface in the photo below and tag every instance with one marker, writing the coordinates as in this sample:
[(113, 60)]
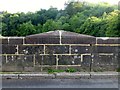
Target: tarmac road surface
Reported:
[(60, 83)]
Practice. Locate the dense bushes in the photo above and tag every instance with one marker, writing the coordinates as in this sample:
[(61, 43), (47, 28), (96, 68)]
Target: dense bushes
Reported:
[(81, 17)]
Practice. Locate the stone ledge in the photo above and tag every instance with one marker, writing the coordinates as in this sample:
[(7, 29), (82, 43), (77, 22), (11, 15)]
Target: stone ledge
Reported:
[(64, 75)]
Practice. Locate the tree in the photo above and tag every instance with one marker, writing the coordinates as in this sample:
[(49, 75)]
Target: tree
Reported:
[(26, 29), (81, 17), (39, 28), (113, 24), (51, 25), (91, 26)]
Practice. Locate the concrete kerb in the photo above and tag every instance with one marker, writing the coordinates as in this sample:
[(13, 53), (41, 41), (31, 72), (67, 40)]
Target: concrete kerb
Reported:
[(64, 75), (104, 75), (72, 75)]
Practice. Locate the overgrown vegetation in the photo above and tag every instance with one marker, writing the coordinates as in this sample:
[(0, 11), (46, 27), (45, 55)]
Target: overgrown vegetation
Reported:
[(70, 70), (118, 70), (81, 17)]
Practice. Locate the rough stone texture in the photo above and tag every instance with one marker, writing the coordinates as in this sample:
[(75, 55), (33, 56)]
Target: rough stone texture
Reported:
[(78, 68), (43, 38), (85, 64), (29, 69), (9, 49), (69, 60), (86, 60), (0, 63), (9, 68), (0, 48), (3, 59), (45, 60), (97, 56), (16, 40), (105, 60), (3, 40), (17, 61), (106, 49), (57, 49), (53, 37), (25, 60), (80, 49), (105, 63), (75, 38), (30, 49), (49, 60), (38, 60), (108, 40), (48, 67), (37, 68)]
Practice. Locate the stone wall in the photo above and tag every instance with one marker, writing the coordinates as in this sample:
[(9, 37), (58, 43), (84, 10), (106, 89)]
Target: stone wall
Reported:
[(41, 54)]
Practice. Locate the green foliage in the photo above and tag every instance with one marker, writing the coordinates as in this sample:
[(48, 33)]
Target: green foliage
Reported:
[(70, 70), (82, 17), (26, 29), (118, 70)]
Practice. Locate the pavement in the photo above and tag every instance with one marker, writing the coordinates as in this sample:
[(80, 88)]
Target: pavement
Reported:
[(63, 75)]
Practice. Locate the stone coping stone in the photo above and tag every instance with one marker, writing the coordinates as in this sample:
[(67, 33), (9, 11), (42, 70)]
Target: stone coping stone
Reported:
[(108, 40)]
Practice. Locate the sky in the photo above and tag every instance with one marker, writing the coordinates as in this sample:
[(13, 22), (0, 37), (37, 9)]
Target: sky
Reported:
[(14, 6)]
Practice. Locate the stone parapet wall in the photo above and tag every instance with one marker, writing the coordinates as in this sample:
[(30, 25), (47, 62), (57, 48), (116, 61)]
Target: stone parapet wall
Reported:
[(41, 54)]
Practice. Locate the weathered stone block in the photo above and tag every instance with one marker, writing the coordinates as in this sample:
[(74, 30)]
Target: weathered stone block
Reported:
[(105, 60), (3, 59), (49, 60), (51, 37), (85, 63), (104, 63), (39, 60), (42, 40), (80, 49), (37, 68), (45, 69), (18, 60), (102, 68), (65, 67), (9, 49), (57, 49), (29, 69), (69, 60), (106, 49), (16, 40), (28, 61), (33, 49), (0, 48), (4, 40), (76, 68), (45, 60), (108, 40), (8, 68), (77, 40), (87, 59)]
